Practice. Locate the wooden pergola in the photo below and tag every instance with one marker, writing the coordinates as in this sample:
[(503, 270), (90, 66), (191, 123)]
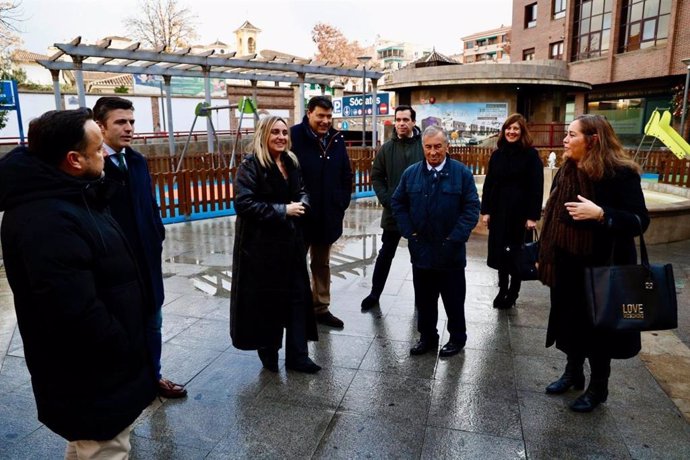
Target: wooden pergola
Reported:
[(183, 63)]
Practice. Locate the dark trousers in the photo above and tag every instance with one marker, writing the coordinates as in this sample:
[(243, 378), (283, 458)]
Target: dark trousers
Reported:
[(296, 323), (389, 240), (154, 339), (450, 285)]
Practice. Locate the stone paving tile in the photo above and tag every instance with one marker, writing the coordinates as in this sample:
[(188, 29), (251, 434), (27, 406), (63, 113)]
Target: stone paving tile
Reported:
[(454, 444), (181, 364), (144, 448), (478, 367), (204, 333), (269, 429), (531, 341), (325, 389), (13, 374), (338, 350), (395, 397), (473, 408), (41, 444), (393, 357), (551, 430), (360, 436)]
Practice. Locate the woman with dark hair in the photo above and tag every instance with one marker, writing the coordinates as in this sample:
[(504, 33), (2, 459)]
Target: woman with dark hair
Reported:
[(270, 281), (511, 203), (595, 210)]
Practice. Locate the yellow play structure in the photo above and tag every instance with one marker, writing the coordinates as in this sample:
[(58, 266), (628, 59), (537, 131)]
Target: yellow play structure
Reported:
[(659, 127)]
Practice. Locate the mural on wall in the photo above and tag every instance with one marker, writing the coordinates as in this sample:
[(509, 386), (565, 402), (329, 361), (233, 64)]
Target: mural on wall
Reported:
[(465, 122)]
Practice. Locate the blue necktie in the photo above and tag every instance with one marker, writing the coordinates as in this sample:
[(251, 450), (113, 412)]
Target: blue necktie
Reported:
[(120, 156)]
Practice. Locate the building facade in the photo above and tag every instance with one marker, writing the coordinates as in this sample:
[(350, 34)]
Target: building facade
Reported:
[(487, 47), (630, 51)]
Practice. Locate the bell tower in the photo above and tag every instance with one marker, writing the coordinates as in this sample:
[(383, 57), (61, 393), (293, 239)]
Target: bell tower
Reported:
[(246, 37)]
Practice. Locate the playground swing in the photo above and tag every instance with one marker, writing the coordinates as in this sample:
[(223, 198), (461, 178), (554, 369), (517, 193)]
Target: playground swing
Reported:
[(203, 109)]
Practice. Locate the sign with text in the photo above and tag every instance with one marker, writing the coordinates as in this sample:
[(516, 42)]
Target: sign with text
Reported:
[(352, 106)]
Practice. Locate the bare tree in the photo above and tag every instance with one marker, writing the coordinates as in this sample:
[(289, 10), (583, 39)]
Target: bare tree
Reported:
[(163, 23), (333, 46), (10, 14)]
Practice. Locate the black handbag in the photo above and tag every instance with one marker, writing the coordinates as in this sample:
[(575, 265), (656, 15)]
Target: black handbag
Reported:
[(525, 257), (632, 297)]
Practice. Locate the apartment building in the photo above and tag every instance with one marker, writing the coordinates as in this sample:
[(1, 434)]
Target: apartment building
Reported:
[(630, 51), (487, 46)]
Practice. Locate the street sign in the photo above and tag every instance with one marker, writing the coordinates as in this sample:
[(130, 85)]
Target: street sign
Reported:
[(352, 106), (345, 126), (9, 100)]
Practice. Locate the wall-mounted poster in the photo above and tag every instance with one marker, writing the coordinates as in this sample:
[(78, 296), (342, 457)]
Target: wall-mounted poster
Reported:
[(465, 122)]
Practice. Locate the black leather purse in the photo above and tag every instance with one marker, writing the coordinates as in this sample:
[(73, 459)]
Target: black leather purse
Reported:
[(525, 257), (632, 297)]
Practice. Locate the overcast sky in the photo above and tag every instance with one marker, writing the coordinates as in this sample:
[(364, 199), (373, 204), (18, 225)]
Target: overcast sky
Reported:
[(286, 25)]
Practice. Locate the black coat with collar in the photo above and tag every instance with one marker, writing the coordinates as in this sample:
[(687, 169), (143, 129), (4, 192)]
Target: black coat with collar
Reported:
[(136, 210), (269, 265), (78, 297), (620, 195), (328, 178)]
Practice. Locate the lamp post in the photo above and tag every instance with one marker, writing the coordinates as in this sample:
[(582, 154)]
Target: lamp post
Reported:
[(685, 97), (364, 60)]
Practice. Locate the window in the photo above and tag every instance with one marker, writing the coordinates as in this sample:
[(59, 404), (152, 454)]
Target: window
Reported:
[(531, 16), (559, 9), (644, 24), (556, 50), (528, 54), (592, 28)]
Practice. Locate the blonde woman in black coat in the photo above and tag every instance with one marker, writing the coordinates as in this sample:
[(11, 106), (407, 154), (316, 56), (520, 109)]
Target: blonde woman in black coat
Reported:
[(591, 215), (270, 281), (512, 196)]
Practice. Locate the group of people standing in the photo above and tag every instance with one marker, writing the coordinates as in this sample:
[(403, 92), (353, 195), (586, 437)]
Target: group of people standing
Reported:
[(82, 240)]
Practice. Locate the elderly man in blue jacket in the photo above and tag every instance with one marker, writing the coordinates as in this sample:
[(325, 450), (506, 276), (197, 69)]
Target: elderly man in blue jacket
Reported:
[(436, 207)]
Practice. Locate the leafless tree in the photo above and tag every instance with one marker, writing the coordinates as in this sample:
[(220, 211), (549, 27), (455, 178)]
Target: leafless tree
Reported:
[(163, 23), (333, 46), (11, 13)]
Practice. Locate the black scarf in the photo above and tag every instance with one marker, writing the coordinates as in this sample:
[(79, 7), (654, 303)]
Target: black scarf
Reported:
[(559, 229)]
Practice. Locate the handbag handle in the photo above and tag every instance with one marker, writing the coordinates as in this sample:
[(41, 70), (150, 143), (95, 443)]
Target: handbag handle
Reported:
[(644, 257)]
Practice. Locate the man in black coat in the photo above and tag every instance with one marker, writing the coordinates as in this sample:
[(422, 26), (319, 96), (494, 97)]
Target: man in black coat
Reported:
[(328, 178), (77, 291), (136, 210)]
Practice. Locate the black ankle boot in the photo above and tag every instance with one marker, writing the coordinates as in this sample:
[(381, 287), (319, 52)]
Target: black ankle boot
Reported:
[(596, 393), (573, 377), (500, 298), (269, 358)]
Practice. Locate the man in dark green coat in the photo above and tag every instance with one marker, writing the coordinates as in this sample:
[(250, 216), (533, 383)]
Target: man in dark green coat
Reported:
[(403, 150)]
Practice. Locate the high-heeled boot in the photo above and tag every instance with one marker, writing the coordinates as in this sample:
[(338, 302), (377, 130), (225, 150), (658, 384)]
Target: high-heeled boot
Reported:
[(499, 301), (269, 358), (597, 392), (513, 292), (573, 377)]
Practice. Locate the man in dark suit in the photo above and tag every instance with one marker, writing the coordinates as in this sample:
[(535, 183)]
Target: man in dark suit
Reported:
[(136, 210)]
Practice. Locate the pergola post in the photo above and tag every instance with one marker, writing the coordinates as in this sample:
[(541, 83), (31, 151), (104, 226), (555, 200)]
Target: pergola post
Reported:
[(207, 97), (300, 97), (169, 118), (78, 60), (56, 88)]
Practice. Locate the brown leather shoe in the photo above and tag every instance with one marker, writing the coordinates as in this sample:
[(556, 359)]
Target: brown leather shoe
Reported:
[(171, 390)]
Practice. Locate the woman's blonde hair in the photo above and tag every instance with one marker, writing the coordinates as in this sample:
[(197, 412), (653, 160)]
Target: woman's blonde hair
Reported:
[(263, 131), (604, 151)]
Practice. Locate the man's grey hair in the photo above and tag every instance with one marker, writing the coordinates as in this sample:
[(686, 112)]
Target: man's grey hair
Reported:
[(433, 130)]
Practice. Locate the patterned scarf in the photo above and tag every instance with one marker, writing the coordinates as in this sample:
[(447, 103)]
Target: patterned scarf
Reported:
[(559, 229)]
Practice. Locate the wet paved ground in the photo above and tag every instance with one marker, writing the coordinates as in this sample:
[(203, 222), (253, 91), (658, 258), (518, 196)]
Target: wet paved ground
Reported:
[(373, 400)]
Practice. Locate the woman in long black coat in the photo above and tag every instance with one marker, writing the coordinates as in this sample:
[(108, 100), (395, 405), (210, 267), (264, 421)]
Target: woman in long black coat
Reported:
[(270, 281), (511, 203), (591, 218)]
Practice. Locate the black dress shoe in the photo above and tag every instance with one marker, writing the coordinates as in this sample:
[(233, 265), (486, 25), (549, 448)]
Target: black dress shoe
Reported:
[(327, 319), (450, 349), (565, 383), (500, 298), (369, 302), (423, 346), (590, 399), (269, 358), (305, 365)]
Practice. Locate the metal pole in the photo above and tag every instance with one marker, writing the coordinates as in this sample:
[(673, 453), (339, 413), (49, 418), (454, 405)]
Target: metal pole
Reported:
[(685, 102), (374, 105), (364, 105), (160, 83), (80, 80)]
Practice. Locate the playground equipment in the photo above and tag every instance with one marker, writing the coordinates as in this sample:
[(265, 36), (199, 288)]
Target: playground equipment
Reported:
[(203, 109), (659, 127)]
